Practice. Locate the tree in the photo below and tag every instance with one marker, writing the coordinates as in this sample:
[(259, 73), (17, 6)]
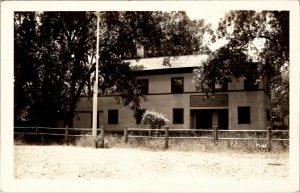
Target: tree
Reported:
[(220, 66), (29, 73), (55, 57), (271, 28), (258, 44), (280, 94)]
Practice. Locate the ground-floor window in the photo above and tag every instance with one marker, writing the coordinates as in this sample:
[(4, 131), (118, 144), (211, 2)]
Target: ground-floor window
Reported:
[(244, 115), (113, 116), (139, 115), (178, 116)]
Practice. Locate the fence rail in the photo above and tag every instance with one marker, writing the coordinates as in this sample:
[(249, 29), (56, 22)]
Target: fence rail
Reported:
[(213, 134), (41, 131)]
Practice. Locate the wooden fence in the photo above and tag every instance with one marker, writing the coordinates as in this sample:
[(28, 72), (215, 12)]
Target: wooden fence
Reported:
[(214, 135), (65, 132)]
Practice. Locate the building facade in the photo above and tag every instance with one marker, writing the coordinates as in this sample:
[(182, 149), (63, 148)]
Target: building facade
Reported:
[(169, 90)]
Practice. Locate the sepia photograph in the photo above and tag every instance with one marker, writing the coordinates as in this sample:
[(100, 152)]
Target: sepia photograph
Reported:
[(131, 96)]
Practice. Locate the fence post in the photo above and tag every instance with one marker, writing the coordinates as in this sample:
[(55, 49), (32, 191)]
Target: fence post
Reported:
[(101, 145), (269, 139), (125, 134), (36, 131), (215, 134), (66, 134), (166, 137)]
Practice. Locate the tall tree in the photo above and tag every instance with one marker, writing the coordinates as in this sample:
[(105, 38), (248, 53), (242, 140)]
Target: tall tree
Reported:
[(258, 44), (57, 56), (271, 28)]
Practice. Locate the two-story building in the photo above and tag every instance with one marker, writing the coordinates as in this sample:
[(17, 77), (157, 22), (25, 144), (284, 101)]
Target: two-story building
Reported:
[(169, 90)]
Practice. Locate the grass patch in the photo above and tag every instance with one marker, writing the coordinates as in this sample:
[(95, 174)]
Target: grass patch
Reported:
[(115, 140), (203, 145)]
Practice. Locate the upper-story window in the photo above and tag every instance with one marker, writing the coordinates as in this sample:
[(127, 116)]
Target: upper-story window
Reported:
[(251, 84), (143, 85), (177, 85)]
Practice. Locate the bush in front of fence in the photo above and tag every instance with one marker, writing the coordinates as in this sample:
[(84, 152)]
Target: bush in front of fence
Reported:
[(155, 120)]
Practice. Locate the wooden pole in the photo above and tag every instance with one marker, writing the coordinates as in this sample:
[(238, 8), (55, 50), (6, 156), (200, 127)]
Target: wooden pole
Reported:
[(215, 134), (101, 145), (95, 96), (166, 137), (269, 139), (125, 134)]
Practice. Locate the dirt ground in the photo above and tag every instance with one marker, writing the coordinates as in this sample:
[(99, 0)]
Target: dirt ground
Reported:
[(69, 162)]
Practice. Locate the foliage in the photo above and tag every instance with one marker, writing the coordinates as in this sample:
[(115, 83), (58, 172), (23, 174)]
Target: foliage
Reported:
[(243, 29), (219, 68), (258, 44), (280, 93), (154, 119), (55, 57)]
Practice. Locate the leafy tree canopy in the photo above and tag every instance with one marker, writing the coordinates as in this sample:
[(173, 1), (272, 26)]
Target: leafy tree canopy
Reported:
[(270, 28), (258, 44), (55, 57)]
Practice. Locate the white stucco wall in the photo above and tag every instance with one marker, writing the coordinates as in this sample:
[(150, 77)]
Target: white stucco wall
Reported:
[(161, 100)]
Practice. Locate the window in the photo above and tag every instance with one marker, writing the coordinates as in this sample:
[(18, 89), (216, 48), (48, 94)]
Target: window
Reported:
[(251, 84), (143, 85), (268, 115), (243, 115), (177, 85), (178, 116), (139, 115), (113, 116)]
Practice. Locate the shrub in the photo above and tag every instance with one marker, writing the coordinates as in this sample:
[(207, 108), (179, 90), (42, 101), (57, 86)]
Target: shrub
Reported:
[(154, 119)]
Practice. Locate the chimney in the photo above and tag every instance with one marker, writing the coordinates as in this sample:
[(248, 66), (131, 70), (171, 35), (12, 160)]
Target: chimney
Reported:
[(140, 51)]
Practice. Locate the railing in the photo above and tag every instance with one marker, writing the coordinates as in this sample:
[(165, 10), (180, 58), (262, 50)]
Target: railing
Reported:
[(66, 132), (215, 135)]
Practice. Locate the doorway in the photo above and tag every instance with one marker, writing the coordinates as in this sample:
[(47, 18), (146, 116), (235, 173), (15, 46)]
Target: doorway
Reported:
[(207, 118), (203, 119), (222, 119)]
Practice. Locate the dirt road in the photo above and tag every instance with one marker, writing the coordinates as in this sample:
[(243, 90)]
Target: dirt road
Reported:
[(69, 162)]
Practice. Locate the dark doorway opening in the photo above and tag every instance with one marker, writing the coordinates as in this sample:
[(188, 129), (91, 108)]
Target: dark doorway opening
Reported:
[(203, 119), (223, 119)]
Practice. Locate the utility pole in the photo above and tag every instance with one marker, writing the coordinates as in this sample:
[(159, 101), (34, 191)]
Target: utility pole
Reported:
[(95, 97)]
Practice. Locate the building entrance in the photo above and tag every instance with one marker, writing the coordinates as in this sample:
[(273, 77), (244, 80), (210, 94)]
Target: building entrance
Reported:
[(222, 118), (203, 119), (207, 118)]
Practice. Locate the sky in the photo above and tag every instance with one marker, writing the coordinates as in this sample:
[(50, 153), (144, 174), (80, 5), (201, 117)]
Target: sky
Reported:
[(209, 18)]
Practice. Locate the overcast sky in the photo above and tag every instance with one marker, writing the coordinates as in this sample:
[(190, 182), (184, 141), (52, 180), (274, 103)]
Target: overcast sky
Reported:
[(209, 18)]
